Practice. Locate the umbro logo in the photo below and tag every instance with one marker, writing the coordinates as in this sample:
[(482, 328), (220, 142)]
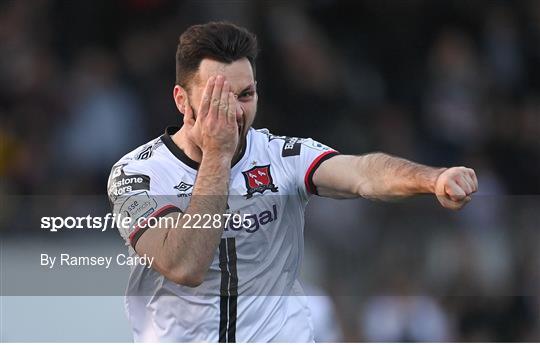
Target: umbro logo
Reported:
[(184, 189)]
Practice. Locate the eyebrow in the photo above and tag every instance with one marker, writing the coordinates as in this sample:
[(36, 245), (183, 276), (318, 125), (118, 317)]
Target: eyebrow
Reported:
[(247, 88)]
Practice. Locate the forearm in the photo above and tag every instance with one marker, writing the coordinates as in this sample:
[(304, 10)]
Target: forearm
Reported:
[(385, 177), (209, 199)]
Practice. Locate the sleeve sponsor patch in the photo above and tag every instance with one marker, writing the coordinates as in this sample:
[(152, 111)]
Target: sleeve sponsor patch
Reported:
[(291, 147), (315, 145), (120, 183), (136, 207)]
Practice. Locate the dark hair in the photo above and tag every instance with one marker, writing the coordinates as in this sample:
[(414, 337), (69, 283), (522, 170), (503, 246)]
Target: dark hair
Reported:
[(220, 41)]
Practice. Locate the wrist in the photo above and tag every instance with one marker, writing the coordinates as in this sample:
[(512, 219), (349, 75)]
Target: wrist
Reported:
[(434, 180), (217, 157)]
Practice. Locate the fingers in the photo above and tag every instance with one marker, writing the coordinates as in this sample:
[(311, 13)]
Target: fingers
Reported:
[(231, 113), (472, 175), (455, 187), (205, 100), (223, 106), (215, 98), (459, 185), (466, 179), (454, 191), (217, 134), (465, 183)]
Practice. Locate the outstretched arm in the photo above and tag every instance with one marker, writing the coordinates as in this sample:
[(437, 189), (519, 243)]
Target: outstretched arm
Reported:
[(384, 177)]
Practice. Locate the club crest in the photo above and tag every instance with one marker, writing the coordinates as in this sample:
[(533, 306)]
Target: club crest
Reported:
[(258, 179)]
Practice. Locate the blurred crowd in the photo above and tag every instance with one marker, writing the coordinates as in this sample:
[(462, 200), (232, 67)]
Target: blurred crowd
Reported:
[(439, 82)]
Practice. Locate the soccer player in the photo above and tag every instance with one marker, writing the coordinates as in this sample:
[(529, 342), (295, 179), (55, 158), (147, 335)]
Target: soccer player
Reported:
[(218, 277)]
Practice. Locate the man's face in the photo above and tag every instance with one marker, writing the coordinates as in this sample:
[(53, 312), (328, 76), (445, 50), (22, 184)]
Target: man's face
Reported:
[(239, 75)]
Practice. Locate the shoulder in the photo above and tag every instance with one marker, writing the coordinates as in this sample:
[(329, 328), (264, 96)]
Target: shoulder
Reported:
[(144, 158), (286, 146), (136, 169)]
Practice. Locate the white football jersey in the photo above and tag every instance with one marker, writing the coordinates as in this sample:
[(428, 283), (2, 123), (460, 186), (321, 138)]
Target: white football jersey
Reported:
[(251, 292)]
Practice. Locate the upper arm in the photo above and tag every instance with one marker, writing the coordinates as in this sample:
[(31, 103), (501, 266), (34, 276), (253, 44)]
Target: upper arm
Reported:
[(151, 241), (148, 235), (302, 158), (338, 177), (135, 197), (145, 214)]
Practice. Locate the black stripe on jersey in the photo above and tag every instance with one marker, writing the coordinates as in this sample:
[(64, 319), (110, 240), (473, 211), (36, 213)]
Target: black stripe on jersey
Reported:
[(228, 290), (162, 212), (310, 186), (233, 289), (175, 150), (224, 297)]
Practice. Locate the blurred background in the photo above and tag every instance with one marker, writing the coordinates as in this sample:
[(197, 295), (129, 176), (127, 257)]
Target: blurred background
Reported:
[(443, 83)]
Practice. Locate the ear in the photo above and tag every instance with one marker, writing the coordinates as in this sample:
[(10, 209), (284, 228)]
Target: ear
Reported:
[(180, 97), (181, 100)]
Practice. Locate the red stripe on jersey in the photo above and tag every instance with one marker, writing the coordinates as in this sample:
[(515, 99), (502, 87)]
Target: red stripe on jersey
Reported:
[(136, 234), (308, 178)]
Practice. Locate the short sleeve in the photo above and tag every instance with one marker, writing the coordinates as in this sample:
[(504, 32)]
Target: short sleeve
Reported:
[(135, 197), (303, 157)]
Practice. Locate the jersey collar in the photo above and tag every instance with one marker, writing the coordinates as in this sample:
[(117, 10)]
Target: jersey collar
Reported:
[(178, 153)]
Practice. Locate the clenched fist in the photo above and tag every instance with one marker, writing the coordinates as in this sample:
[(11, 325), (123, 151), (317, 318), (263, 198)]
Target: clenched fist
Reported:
[(454, 187)]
